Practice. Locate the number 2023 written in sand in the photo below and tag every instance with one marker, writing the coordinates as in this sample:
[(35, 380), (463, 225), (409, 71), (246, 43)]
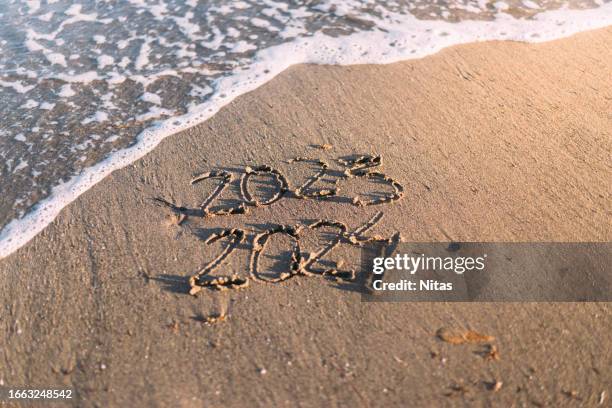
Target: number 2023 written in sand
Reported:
[(301, 264)]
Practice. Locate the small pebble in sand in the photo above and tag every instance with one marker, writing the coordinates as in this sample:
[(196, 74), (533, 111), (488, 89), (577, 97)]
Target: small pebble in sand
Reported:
[(324, 146), (492, 353), (495, 385), (573, 394)]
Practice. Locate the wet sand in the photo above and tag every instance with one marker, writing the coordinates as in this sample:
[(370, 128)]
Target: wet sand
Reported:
[(494, 141)]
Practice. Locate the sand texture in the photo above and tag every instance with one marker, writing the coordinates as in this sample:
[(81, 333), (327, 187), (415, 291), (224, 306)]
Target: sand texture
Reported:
[(495, 141)]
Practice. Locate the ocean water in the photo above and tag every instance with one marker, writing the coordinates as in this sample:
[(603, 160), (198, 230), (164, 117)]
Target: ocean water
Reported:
[(89, 87)]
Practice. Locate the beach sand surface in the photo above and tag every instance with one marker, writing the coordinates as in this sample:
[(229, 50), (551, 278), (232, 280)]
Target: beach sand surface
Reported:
[(495, 141)]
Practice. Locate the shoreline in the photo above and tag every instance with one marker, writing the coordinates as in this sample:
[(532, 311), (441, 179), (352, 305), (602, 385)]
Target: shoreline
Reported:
[(19, 231), (496, 141)]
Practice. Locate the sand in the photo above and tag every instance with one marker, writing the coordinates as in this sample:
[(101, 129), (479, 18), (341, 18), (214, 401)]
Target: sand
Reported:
[(495, 141)]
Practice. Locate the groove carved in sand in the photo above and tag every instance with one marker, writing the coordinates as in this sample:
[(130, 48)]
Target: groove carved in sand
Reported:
[(301, 264)]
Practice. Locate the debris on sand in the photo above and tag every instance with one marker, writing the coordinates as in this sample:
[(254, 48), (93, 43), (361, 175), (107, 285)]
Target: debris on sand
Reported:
[(173, 220), (491, 353), (174, 327), (214, 319), (211, 319), (223, 283), (296, 159), (456, 390), (572, 394), (462, 337), (494, 385), (324, 146)]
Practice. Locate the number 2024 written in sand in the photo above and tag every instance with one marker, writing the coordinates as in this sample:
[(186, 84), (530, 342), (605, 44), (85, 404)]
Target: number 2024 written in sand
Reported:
[(359, 167)]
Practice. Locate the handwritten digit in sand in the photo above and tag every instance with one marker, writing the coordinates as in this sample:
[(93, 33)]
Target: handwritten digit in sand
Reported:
[(353, 238), (226, 179), (359, 167), (300, 192), (203, 210), (398, 189), (261, 170), (199, 280), (356, 237), (259, 244), (314, 257)]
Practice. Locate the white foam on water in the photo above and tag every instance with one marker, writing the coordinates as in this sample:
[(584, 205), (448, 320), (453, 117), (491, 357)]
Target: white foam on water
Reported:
[(66, 91), (143, 57), (105, 60), (99, 116), (17, 86), (151, 98), (402, 36)]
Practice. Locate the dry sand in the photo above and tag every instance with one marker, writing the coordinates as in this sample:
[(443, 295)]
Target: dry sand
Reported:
[(495, 141)]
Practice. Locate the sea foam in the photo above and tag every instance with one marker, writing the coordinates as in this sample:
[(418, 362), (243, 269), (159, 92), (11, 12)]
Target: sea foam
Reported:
[(376, 38)]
